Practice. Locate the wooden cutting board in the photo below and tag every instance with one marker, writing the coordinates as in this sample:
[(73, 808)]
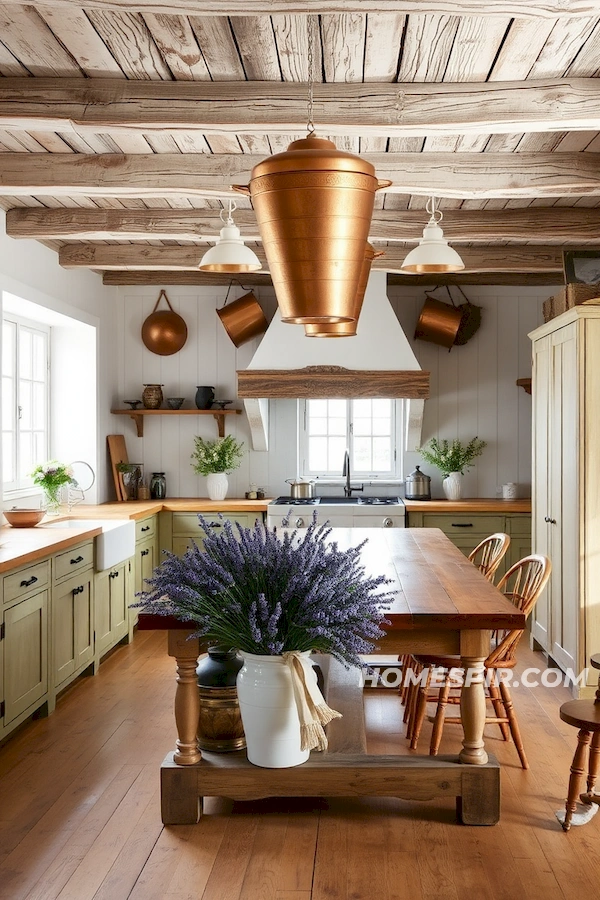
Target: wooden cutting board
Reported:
[(118, 453)]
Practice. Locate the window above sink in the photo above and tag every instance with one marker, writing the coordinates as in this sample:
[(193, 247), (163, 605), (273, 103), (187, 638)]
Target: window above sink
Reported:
[(370, 428)]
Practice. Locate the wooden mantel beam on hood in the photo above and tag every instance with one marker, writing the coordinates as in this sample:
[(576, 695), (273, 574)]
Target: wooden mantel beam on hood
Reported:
[(323, 382)]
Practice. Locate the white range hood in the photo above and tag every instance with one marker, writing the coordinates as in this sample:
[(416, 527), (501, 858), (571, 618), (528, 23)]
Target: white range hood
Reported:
[(379, 346)]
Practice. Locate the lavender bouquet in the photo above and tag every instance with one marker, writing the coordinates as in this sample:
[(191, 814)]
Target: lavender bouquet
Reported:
[(253, 591)]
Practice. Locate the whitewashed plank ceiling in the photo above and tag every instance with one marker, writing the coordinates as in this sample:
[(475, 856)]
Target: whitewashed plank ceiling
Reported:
[(494, 105)]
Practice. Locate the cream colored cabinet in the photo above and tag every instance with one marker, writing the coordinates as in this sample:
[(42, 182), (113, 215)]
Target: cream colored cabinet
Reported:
[(113, 589), (72, 633), (566, 481)]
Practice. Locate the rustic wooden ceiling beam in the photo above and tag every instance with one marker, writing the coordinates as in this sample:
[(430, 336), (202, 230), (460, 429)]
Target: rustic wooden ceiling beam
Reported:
[(274, 108), (125, 256), (206, 279), (459, 175), (163, 279), (535, 224), (551, 9)]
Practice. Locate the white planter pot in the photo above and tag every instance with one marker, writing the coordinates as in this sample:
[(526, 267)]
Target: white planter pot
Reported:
[(269, 712), (216, 485), (452, 486)]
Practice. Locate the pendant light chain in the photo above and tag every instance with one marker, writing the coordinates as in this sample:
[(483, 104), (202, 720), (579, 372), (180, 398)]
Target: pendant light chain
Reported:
[(310, 127)]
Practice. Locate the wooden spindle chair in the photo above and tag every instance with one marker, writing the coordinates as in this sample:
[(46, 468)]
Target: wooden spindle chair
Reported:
[(585, 716), (488, 555), (522, 584)]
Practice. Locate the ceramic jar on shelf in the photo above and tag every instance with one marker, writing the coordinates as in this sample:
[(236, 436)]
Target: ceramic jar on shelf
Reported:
[(204, 396), (152, 396)]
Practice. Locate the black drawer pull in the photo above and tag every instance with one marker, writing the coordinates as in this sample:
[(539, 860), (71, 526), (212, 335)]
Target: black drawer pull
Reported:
[(462, 524), (549, 520), (145, 528), (77, 559), (78, 590), (145, 552), (114, 574), (215, 525), (28, 583)]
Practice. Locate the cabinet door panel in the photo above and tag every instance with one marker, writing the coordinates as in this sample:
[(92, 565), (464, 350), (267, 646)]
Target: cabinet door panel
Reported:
[(567, 527), (72, 627), (84, 625), (63, 634), (541, 479), (118, 602), (25, 655), (102, 613), (112, 607)]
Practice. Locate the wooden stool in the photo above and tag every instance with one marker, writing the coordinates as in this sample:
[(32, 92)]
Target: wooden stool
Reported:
[(584, 715)]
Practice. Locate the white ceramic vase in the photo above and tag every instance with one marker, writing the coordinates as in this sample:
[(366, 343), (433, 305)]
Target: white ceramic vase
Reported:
[(269, 713), (452, 486), (216, 485)]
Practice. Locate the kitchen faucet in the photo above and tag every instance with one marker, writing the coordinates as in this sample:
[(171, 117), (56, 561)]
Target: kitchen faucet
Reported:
[(346, 471)]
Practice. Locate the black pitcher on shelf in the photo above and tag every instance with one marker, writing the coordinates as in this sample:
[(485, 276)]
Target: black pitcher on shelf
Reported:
[(204, 396)]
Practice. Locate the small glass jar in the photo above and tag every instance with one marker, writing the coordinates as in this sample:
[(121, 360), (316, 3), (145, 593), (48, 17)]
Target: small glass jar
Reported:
[(158, 486)]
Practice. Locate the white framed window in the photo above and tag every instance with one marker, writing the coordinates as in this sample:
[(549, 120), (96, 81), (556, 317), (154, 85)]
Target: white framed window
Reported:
[(369, 428), (25, 399)]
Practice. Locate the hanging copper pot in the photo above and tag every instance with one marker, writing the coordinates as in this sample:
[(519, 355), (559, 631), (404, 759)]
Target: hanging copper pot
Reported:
[(164, 332), (348, 329), (243, 319), (438, 323), (314, 204)]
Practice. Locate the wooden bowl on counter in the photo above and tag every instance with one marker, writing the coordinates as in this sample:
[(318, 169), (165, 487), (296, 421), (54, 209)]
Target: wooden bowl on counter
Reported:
[(24, 518)]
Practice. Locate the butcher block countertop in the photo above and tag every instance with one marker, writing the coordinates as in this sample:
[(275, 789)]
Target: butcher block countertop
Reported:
[(22, 546), (139, 509), (477, 505)]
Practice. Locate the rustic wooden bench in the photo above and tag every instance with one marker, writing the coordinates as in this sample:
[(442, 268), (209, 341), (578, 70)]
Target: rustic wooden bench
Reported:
[(344, 770)]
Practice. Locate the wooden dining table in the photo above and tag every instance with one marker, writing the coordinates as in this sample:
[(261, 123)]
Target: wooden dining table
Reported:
[(442, 605)]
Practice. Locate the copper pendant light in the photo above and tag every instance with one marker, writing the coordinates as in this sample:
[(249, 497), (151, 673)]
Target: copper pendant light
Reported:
[(348, 329), (313, 205)]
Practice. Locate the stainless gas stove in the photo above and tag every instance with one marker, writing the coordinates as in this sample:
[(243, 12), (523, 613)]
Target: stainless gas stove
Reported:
[(340, 512)]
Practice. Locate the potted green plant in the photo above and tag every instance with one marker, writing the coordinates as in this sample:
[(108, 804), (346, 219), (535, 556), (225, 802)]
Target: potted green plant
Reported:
[(274, 599), (51, 476), (216, 459), (452, 458)]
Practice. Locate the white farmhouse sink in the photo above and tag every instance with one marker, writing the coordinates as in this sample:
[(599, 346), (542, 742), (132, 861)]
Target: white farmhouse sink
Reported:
[(114, 545)]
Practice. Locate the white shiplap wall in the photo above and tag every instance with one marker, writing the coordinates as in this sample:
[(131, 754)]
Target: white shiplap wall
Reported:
[(473, 388)]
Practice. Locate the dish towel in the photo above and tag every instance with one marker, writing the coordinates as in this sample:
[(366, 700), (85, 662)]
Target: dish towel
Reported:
[(313, 712)]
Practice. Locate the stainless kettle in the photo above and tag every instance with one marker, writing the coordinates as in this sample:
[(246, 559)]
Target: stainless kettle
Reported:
[(301, 490), (417, 486)]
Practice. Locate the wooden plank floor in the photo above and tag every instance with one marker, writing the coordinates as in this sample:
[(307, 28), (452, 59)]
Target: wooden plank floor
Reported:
[(80, 818)]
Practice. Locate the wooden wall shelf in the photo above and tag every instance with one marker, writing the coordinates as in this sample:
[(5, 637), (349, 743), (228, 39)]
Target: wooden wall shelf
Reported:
[(525, 383), (138, 415)]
